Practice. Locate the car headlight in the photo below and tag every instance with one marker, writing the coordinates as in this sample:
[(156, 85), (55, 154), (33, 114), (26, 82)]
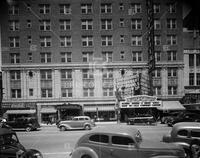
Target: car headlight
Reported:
[(37, 155)]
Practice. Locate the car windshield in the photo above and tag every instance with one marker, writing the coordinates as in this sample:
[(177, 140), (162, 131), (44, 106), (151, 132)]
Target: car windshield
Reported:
[(8, 139)]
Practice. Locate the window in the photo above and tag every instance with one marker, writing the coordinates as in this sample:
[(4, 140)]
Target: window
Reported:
[(14, 25), (106, 24), (107, 73), (31, 92), (156, 8), (87, 24), (191, 79), (182, 133), (14, 58), (121, 6), (136, 40), (172, 90), (30, 57), (198, 79), (87, 41), (16, 93), (44, 8), (99, 138), (66, 74), (106, 40), (14, 42), (15, 75), (87, 74), (171, 39), (88, 92), (106, 8), (29, 23), (122, 38), (45, 57), (86, 8), (13, 10), (157, 40), (107, 56), (121, 22), (157, 24), (65, 41), (45, 25), (171, 55), (197, 59), (66, 57), (191, 59), (157, 90), (137, 56), (172, 72), (45, 75), (171, 23), (87, 56), (136, 24), (156, 73), (46, 93), (157, 55), (29, 39), (65, 24), (66, 92), (65, 9), (122, 140), (108, 92), (45, 41), (122, 55), (172, 7), (136, 8)]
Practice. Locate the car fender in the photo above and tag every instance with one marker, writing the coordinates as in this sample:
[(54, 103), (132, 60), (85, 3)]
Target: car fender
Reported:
[(65, 125), (164, 156), (80, 151), (182, 144)]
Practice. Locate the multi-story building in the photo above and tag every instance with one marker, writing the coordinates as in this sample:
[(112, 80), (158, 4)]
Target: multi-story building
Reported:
[(57, 54)]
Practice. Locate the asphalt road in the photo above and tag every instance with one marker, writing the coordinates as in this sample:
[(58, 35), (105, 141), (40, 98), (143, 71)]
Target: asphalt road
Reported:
[(56, 144)]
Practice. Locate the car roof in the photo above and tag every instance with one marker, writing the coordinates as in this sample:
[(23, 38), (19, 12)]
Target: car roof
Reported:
[(4, 131), (187, 125), (113, 129)]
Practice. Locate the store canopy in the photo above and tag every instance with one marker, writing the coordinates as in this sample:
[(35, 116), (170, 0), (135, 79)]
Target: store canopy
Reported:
[(48, 110), (171, 105), (32, 111), (98, 108)]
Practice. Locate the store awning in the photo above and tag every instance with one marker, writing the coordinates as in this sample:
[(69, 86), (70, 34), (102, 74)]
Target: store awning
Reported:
[(48, 110), (98, 108), (32, 111), (171, 105)]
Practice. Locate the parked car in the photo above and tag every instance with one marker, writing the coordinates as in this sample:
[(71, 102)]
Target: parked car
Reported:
[(185, 134), (141, 119), (169, 116), (10, 147), (122, 142), (25, 123), (184, 117), (78, 122)]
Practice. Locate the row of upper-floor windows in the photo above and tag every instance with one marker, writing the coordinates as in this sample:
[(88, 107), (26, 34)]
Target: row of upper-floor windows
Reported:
[(88, 24), (194, 79), (88, 8), (194, 60), (107, 56), (88, 40), (86, 74)]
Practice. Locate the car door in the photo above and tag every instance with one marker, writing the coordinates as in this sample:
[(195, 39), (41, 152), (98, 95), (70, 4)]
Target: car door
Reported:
[(74, 122), (123, 147)]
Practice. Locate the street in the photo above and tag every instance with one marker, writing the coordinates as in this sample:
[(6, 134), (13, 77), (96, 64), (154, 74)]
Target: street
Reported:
[(56, 144)]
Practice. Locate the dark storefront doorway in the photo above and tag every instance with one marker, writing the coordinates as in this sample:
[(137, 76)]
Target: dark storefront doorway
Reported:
[(67, 111)]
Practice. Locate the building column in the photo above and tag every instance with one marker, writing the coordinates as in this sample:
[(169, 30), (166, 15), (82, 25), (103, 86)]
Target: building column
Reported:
[(164, 81), (77, 84)]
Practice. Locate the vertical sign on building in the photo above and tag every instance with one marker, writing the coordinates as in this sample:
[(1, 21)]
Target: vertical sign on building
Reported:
[(150, 41)]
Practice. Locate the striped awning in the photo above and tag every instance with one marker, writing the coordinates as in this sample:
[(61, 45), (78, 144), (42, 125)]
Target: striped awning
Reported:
[(171, 105), (48, 110), (32, 111), (99, 108)]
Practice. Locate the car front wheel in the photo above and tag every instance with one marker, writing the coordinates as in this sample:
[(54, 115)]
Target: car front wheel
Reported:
[(87, 127), (62, 128)]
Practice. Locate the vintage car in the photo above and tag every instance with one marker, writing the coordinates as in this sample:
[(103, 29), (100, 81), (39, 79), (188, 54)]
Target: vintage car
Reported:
[(185, 134), (141, 119), (10, 146), (184, 117), (78, 122), (122, 141), (24, 123)]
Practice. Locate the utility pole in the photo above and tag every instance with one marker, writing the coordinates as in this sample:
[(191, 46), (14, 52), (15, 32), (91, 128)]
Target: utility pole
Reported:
[(150, 38)]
